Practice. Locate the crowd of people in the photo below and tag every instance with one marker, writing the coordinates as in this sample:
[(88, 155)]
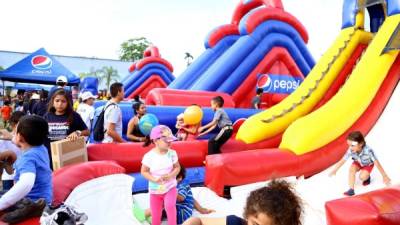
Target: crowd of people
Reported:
[(26, 162)]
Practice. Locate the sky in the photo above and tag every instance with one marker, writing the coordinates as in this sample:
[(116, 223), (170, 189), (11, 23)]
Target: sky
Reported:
[(97, 28)]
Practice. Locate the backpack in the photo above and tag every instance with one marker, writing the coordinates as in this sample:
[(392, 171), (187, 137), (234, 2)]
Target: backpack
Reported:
[(98, 129), (62, 215)]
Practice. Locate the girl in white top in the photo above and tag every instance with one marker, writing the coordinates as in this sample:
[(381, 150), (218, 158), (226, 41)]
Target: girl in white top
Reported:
[(160, 166)]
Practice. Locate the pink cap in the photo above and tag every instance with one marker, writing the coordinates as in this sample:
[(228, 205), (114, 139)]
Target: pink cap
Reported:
[(162, 131)]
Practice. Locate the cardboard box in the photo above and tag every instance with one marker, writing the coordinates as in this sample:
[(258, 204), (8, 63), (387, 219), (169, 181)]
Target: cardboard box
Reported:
[(66, 152)]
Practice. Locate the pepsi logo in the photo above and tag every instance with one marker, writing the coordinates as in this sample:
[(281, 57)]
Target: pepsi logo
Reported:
[(264, 82), (41, 62)]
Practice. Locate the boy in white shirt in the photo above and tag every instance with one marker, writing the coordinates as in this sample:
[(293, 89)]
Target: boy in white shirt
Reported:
[(86, 109)]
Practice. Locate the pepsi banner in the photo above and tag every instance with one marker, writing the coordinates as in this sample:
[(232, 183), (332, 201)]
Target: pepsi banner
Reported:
[(41, 64), (39, 67), (278, 84)]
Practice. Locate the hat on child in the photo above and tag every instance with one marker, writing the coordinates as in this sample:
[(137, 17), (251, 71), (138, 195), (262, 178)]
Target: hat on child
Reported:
[(162, 131), (35, 96), (180, 116), (86, 95)]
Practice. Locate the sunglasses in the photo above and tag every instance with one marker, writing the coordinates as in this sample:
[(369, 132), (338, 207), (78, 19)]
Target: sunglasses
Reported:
[(165, 139)]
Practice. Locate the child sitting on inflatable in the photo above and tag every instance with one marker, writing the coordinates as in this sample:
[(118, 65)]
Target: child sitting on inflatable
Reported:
[(160, 167), (224, 123), (33, 180), (364, 160), (186, 132), (9, 151)]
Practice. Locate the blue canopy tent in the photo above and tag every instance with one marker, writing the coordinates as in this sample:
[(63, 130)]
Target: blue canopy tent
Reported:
[(39, 67)]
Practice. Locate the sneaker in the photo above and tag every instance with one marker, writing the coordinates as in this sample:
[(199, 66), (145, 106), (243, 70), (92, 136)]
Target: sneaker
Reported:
[(367, 181), (350, 192), (24, 209)]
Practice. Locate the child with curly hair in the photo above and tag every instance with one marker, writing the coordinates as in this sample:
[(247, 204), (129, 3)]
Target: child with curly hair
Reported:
[(275, 204)]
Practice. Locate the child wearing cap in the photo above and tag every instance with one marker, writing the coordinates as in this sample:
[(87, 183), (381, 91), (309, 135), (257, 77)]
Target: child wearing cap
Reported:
[(185, 203), (160, 166), (86, 109), (364, 159)]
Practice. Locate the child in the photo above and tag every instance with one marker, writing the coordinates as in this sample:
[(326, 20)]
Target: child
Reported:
[(256, 101), (63, 121), (9, 150), (186, 132), (224, 123), (185, 203), (275, 204), (180, 124), (160, 166), (86, 109), (364, 160), (6, 112), (33, 179)]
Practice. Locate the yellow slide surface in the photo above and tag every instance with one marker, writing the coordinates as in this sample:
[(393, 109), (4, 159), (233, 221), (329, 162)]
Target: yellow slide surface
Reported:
[(342, 111), (254, 129)]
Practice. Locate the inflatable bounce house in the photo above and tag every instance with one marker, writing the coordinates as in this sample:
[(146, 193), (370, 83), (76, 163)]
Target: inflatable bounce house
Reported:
[(263, 47), (148, 73), (262, 39)]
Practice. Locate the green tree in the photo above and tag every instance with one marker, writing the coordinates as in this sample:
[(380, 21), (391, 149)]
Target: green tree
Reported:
[(188, 58), (132, 49), (108, 75), (1, 68)]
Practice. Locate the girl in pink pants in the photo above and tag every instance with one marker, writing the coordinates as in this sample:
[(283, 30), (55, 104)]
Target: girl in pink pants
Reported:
[(160, 166)]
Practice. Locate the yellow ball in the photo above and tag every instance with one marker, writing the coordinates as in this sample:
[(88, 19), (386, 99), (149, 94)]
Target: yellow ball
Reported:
[(192, 115)]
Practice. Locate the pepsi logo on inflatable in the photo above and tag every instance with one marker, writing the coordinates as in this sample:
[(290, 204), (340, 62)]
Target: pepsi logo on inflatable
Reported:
[(264, 82), (41, 62)]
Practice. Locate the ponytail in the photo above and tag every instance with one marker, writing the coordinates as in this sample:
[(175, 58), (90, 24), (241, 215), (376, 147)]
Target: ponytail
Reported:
[(148, 141)]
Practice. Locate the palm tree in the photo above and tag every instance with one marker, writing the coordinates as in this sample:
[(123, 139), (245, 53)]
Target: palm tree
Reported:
[(188, 58), (108, 75), (92, 73)]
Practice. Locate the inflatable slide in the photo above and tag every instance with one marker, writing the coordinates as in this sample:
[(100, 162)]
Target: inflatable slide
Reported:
[(261, 39), (313, 142)]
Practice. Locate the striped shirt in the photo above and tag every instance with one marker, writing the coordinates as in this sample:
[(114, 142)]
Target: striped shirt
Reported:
[(365, 158), (184, 209)]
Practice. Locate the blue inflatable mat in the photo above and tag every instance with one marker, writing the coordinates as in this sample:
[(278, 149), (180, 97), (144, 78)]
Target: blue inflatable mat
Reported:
[(194, 176)]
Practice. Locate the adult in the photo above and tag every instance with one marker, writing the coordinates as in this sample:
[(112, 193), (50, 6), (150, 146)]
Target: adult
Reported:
[(61, 83), (40, 108), (35, 98), (133, 132), (113, 115)]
